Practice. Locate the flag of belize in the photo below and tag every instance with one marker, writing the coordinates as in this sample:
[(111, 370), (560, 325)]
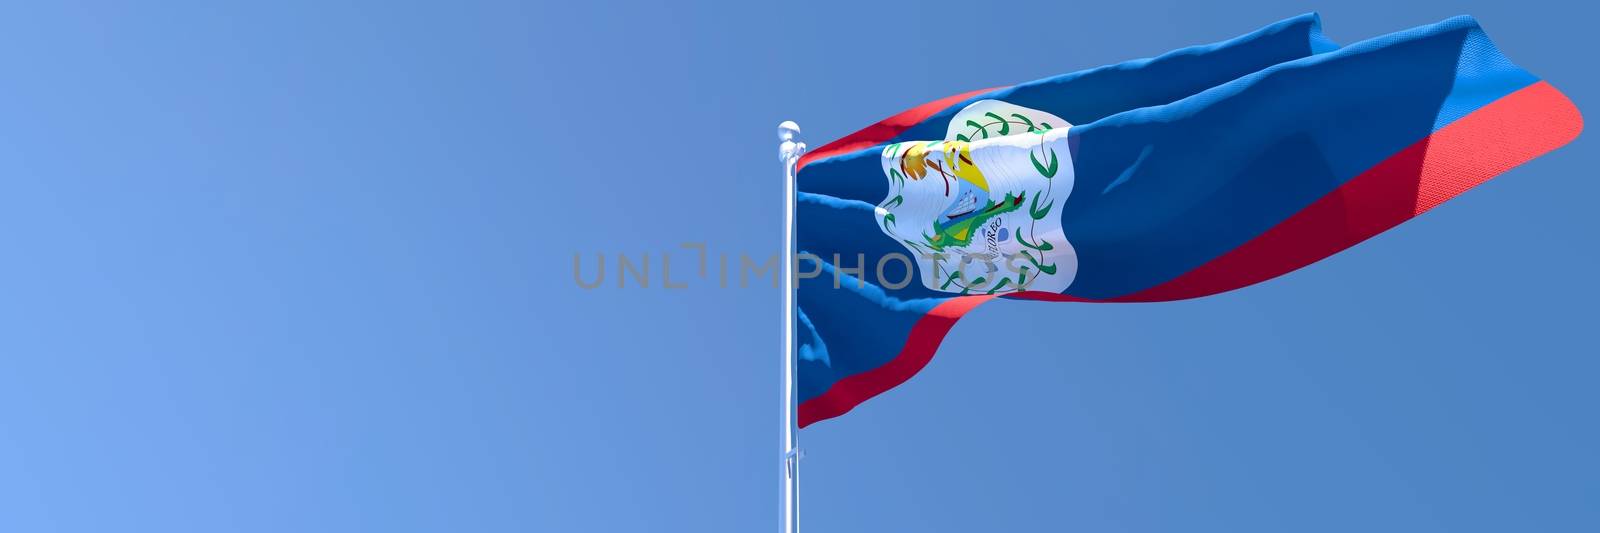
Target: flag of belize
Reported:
[(1200, 171)]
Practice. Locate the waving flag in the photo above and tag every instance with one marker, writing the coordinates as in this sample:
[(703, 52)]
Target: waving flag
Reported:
[(1200, 171)]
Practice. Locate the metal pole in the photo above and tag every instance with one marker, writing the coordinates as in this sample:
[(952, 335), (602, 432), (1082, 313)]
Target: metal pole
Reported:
[(789, 151)]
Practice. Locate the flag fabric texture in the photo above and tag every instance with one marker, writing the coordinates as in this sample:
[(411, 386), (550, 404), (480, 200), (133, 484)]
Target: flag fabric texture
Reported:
[(1203, 170)]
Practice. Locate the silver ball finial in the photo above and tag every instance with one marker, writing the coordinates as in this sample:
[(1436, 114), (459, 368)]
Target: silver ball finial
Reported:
[(789, 147)]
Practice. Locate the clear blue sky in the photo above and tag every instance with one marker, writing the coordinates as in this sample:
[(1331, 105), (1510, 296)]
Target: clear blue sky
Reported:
[(307, 266)]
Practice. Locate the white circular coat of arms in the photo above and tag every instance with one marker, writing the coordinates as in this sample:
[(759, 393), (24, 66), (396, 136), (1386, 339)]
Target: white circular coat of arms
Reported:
[(978, 210)]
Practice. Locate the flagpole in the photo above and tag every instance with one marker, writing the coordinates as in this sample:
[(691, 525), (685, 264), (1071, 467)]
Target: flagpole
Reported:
[(789, 151)]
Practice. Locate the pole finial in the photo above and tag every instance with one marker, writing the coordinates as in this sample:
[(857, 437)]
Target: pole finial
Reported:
[(789, 146)]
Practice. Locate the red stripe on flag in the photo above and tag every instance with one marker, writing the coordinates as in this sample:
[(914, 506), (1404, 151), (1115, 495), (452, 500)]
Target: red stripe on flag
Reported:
[(1497, 137), (1508, 132), (886, 129), (924, 339)]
